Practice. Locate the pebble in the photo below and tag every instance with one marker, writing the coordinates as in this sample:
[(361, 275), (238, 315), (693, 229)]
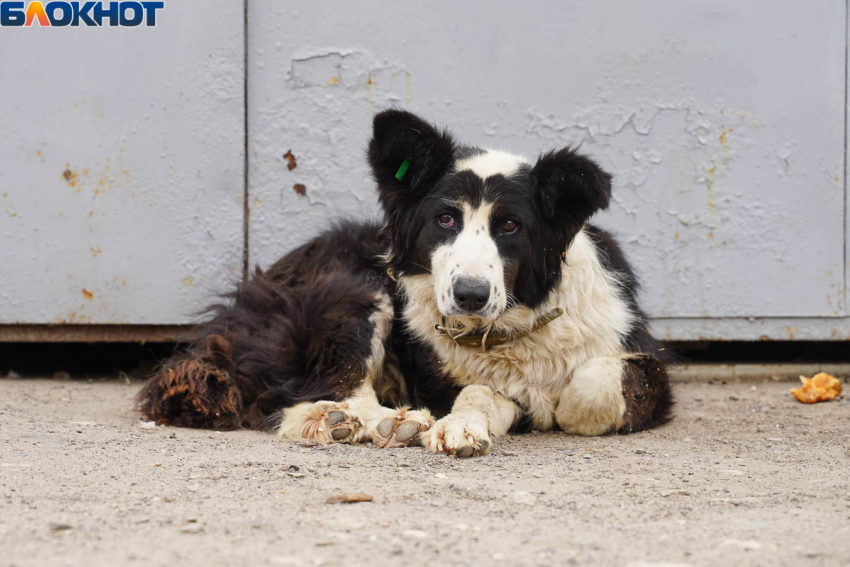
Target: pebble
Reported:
[(192, 529), (568, 453), (655, 564), (147, 425), (256, 522), (746, 545), (523, 498), (416, 534), (60, 526)]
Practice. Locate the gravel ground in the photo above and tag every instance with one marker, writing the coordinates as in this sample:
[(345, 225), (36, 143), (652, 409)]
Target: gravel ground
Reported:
[(745, 475)]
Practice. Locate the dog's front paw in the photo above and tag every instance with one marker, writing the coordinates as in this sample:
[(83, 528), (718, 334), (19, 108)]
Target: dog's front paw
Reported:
[(461, 435), (321, 422), (401, 428)]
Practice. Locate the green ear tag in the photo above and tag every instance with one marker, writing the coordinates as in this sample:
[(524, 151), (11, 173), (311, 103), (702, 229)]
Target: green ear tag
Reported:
[(402, 169)]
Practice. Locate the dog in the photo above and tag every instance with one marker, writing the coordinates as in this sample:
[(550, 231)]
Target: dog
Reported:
[(484, 303)]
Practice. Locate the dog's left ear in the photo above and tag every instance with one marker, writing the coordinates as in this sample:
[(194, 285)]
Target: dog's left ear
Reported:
[(407, 155), (570, 188)]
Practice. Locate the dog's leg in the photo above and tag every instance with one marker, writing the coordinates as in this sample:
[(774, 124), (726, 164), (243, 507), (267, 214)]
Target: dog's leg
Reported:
[(359, 418), (607, 394), (478, 413)]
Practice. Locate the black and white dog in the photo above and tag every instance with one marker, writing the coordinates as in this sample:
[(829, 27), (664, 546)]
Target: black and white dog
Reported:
[(485, 300)]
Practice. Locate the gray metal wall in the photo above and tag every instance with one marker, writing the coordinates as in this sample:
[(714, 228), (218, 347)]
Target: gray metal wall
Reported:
[(723, 122)]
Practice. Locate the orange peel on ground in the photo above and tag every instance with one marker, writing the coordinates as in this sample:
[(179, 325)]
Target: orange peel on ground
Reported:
[(821, 387)]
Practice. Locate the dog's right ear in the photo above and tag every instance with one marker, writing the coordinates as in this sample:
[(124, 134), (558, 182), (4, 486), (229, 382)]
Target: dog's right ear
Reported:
[(407, 155)]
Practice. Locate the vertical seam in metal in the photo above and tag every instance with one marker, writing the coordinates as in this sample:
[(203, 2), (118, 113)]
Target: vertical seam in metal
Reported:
[(246, 209), (846, 194)]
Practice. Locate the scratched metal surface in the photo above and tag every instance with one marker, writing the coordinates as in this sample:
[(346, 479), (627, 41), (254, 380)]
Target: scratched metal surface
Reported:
[(121, 168), (722, 121)]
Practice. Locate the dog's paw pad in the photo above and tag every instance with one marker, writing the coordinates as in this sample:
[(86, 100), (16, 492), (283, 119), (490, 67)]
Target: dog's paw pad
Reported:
[(407, 430), (385, 428), (335, 417), (403, 429)]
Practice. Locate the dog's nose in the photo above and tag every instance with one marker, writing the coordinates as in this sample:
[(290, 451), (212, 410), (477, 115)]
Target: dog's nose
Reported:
[(471, 294)]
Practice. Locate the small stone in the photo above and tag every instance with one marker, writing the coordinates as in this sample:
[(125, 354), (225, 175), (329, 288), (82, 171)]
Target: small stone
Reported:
[(747, 545), (60, 527), (416, 534), (667, 493), (256, 522), (349, 498), (523, 498), (568, 453), (192, 529)]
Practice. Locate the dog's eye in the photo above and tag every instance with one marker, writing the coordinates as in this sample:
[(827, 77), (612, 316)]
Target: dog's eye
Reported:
[(447, 221), (509, 226)]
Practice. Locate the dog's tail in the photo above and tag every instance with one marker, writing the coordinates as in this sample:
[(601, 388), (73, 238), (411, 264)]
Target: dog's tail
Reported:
[(195, 388)]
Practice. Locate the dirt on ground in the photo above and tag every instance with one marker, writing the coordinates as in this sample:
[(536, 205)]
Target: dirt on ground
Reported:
[(745, 475)]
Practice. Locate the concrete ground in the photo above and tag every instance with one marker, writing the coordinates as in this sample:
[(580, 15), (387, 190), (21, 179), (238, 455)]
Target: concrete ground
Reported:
[(745, 475)]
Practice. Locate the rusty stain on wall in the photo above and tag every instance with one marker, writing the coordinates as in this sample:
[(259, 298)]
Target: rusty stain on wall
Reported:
[(290, 158), (300, 189), (87, 294)]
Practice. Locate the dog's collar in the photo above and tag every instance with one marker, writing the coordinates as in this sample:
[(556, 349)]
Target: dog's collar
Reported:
[(485, 339)]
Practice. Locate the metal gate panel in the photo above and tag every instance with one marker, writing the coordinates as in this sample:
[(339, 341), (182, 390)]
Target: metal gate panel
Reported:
[(121, 191), (722, 121)]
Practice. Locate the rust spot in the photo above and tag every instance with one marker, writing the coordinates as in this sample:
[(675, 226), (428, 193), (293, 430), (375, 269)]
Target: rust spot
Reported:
[(710, 235), (676, 236), (724, 137), (95, 251), (87, 294), (188, 280), (288, 156), (333, 81), (40, 155), (70, 177), (91, 214), (300, 189)]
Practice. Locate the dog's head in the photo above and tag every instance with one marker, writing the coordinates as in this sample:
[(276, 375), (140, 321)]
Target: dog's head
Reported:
[(489, 227)]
